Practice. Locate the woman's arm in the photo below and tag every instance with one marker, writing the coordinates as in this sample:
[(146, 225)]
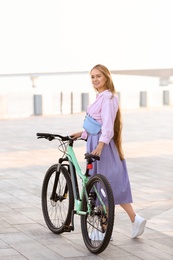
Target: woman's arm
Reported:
[(108, 115), (98, 149), (76, 135)]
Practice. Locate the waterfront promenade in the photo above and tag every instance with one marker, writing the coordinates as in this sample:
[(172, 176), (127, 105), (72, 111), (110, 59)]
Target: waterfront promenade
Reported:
[(148, 146)]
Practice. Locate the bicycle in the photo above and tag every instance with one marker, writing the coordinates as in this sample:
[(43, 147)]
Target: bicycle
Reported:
[(62, 199)]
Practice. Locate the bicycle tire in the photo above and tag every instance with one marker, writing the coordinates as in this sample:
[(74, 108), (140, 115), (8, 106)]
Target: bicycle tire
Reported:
[(57, 210), (93, 222)]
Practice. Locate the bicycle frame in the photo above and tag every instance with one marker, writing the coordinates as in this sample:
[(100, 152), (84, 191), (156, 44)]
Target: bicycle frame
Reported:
[(73, 163), (78, 198), (75, 170)]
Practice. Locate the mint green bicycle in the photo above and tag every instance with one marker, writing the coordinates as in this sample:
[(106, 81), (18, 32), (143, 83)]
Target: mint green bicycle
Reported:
[(62, 199)]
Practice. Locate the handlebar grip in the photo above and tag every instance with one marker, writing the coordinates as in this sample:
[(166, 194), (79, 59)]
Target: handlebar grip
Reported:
[(92, 156), (43, 134)]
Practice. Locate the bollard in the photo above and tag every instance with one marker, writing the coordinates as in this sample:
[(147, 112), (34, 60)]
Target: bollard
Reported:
[(166, 97), (143, 99), (37, 104), (85, 101)]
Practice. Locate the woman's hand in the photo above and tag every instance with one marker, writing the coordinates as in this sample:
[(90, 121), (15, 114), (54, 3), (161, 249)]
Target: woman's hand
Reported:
[(76, 135), (98, 149)]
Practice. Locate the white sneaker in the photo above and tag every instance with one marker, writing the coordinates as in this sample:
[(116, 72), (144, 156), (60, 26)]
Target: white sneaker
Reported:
[(138, 226), (98, 236)]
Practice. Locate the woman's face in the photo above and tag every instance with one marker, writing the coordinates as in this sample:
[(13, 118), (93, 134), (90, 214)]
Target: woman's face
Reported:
[(98, 80)]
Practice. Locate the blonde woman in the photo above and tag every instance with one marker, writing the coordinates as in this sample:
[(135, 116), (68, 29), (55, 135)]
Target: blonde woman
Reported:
[(107, 144)]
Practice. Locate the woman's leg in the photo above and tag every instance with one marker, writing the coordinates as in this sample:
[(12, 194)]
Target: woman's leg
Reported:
[(129, 209), (138, 223)]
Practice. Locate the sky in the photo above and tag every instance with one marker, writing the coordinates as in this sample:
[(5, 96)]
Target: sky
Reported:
[(75, 35)]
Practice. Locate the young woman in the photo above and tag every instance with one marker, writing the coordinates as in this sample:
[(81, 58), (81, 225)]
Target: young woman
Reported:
[(107, 144)]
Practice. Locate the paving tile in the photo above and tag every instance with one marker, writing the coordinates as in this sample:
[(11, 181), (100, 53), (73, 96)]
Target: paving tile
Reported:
[(14, 257), (8, 252), (165, 244), (15, 218), (146, 252), (15, 238), (34, 250), (3, 245)]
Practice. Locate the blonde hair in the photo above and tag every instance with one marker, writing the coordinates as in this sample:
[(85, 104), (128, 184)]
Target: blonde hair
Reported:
[(118, 120)]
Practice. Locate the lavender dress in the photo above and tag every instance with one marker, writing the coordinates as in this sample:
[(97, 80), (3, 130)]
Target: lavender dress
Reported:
[(104, 110), (113, 168)]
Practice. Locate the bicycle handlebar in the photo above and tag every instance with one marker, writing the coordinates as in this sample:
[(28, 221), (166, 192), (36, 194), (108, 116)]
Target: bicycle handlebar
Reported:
[(50, 137)]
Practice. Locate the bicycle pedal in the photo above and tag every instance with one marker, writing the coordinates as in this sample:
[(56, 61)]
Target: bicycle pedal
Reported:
[(67, 228)]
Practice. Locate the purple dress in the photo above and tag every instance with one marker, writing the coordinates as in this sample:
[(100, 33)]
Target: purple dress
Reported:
[(112, 168), (104, 110)]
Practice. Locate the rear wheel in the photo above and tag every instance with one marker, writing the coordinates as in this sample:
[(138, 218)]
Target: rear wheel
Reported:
[(57, 199), (97, 225)]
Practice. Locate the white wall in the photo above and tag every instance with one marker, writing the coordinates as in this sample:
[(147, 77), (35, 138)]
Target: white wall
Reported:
[(16, 97)]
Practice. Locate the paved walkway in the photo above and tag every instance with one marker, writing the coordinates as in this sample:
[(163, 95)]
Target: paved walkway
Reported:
[(148, 145)]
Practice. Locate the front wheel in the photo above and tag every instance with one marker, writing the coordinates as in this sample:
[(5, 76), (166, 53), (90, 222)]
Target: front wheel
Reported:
[(98, 224), (57, 199)]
